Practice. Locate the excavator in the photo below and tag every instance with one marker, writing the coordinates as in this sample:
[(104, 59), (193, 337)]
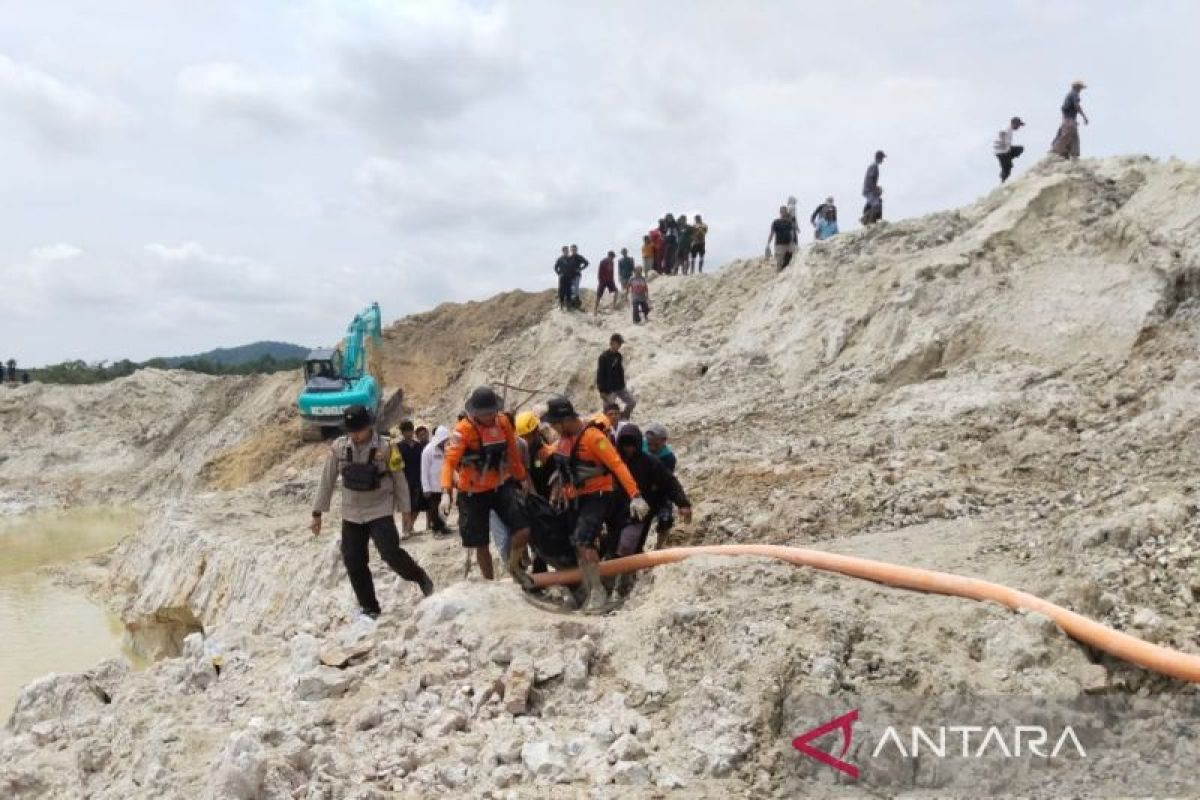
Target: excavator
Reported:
[(349, 375)]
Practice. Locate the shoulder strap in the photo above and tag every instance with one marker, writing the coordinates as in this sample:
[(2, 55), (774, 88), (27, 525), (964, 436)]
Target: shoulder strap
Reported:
[(579, 440)]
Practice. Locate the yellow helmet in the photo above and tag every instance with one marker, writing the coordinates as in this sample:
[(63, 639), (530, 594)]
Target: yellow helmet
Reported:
[(527, 422)]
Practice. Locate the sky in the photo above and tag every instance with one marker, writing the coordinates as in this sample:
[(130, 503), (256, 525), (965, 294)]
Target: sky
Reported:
[(183, 176)]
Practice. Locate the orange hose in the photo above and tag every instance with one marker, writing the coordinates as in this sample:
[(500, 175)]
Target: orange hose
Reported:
[(1176, 664)]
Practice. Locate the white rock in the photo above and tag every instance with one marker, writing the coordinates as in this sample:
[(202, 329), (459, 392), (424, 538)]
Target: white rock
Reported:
[(630, 773), (506, 776), (446, 723), (322, 683), (601, 729), (240, 768), (366, 718), (306, 653), (544, 759), (625, 748), (454, 775)]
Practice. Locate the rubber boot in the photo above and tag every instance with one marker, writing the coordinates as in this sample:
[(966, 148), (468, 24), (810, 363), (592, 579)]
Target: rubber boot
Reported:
[(597, 601)]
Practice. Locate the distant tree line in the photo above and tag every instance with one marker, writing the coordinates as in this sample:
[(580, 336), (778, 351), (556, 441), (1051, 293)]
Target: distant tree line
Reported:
[(79, 372)]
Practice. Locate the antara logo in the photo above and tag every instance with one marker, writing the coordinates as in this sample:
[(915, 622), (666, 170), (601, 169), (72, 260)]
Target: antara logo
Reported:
[(844, 723), (976, 742)]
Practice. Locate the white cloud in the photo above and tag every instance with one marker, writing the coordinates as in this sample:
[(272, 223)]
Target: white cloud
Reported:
[(396, 72), (59, 251), (478, 192), (225, 90), (62, 115)]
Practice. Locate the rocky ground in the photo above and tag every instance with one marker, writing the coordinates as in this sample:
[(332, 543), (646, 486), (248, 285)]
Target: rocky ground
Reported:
[(1009, 391)]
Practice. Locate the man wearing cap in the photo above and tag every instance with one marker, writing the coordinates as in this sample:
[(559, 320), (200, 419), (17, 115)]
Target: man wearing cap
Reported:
[(1066, 141), (586, 462), (1006, 151), (610, 376), (481, 455), (373, 489)]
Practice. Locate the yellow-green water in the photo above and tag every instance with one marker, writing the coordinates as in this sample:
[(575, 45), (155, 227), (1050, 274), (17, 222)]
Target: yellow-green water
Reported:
[(45, 627)]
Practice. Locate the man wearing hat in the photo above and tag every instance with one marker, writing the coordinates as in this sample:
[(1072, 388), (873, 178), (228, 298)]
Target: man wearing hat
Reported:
[(481, 455), (588, 468), (1066, 141), (1006, 151), (373, 489)]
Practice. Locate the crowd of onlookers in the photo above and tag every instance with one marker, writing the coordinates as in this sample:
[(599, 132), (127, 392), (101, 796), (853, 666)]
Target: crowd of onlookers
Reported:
[(672, 247)]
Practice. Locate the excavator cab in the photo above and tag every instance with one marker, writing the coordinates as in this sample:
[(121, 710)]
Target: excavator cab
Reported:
[(323, 371)]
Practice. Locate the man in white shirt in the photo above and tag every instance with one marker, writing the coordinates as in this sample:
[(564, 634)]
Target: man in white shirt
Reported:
[(1005, 150)]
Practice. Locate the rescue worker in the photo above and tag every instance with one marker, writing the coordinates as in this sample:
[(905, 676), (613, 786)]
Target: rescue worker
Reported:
[(374, 487), (475, 464), (657, 484), (541, 470), (586, 463), (529, 428)]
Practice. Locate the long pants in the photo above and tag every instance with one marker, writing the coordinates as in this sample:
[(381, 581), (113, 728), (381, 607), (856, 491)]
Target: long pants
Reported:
[(575, 285), (382, 531), (641, 309), (565, 282), (625, 396), (1006, 161), (1066, 142), (433, 502), (632, 538)]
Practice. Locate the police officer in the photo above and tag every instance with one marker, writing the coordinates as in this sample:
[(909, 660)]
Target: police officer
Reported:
[(373, 489)]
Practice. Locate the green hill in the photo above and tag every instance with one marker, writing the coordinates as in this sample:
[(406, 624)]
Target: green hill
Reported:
[(232, 356)]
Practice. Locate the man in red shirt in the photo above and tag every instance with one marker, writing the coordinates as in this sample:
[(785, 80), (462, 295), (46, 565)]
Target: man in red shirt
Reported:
[(607, 282)]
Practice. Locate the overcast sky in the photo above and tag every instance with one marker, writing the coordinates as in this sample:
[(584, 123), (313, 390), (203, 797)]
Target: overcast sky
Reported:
[(181, 176)]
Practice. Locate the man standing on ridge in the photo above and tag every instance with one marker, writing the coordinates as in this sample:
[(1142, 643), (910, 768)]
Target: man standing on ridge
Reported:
[(562, 268), (783, 234), (586, 463), (685, 244), (871, 183), (578, 265), (606, 281), (373, 489), (699, 235), (610, 376), (625, 273), (481, 448), (1006, 151), (1066, 142)]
